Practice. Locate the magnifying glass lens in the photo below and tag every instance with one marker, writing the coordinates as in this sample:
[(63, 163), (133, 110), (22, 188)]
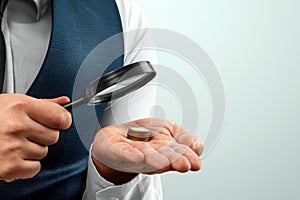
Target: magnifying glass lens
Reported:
[(115, 88)]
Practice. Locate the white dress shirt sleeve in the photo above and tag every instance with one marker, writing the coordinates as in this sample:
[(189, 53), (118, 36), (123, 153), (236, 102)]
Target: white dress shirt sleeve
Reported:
[(135, 106), (142, 187)]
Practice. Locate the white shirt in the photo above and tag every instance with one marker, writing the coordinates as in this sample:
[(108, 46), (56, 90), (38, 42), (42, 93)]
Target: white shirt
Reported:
[(27, 28)]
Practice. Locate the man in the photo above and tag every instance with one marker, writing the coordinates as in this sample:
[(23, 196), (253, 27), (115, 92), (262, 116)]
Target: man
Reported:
[(46, 42)]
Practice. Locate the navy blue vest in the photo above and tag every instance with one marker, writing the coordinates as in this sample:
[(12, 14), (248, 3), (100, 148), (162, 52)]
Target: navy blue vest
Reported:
[(78, 27)]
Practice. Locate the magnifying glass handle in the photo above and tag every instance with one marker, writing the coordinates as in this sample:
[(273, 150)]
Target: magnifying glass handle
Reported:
[(74, 104)]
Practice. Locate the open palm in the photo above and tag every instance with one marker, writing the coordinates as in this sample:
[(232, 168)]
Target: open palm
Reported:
[(172, 148)]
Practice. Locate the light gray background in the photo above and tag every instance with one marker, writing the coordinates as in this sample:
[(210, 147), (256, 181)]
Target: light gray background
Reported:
[(255, 45)]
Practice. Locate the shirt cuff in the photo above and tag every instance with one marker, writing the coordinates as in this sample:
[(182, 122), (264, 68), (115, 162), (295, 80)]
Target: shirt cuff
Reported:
[(142, 187)]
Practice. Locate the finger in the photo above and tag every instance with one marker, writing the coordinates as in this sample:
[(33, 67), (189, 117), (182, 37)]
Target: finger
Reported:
[(197, 146), (178, 162), (183, 136), (33, 151), (49, 114), (187, 152), (153, 160), (41, 134), (29, 169), (22, 169), (59, 100)]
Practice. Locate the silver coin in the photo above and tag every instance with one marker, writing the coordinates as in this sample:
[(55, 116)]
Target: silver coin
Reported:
[(138, 133)]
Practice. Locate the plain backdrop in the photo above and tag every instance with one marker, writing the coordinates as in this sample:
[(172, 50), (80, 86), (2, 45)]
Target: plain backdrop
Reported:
[(255, 46)]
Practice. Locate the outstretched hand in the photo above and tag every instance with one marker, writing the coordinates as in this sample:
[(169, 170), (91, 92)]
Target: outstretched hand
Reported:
[(172, 148)]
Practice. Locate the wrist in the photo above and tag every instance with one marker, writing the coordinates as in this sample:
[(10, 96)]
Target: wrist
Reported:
[(114, 176)]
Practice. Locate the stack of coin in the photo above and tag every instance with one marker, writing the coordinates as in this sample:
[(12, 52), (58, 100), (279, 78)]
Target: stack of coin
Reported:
[(138, 133)]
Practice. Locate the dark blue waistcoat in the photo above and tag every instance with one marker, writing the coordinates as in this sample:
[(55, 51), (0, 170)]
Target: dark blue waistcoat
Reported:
[(78, 27)]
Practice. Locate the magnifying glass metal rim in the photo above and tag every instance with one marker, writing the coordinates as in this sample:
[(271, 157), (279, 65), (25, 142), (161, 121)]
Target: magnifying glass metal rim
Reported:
[(113, 78)]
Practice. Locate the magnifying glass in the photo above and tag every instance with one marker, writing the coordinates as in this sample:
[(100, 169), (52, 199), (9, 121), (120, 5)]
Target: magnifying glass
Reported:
[(115, 84)]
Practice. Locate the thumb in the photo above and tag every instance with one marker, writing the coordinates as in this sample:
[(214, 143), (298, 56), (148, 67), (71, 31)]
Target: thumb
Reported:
[(59, 100)]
